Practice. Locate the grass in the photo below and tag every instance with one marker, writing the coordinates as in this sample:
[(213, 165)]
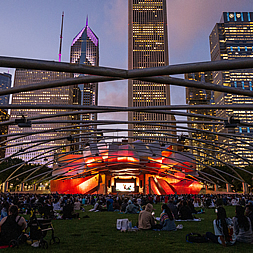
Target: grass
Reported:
[(98, 234)]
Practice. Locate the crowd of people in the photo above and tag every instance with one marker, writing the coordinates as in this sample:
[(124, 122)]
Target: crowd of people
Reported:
[(173, 207)]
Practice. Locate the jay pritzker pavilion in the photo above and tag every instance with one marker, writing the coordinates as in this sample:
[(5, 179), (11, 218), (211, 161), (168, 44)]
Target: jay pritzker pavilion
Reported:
[(120, 168)]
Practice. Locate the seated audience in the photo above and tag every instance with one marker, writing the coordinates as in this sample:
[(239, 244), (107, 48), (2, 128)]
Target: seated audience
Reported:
[(77, 205), (109, 205), (173, 209), (116, 205), (4, 210), (97, 207), (146, 219), (242, 226), (68, 211), (185, 212), (196, 202), (191, 206), (57, 205), (222, 229), (131, 207), (249, 213), (11, 226), (124, 205), (48, 212), (167, 220), (234, 202)]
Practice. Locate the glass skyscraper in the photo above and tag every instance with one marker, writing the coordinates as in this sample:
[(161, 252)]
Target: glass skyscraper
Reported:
[(85, 50), (200, 140), (54, 96), (232, 38), (4, 116), (147, 47), (5, 83)]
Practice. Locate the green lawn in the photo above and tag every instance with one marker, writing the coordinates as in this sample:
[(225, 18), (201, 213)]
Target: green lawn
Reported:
[(98, 234)]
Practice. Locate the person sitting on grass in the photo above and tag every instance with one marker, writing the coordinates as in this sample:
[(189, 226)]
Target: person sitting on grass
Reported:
[(68, 211), (249, 213), (11, 226), (116, 205), (191, 206), (77, 204), (242, 226), (167, 220), (131, 208), (97, 207), (109, 204), (223, 229), (57, 205), (185, 212), (173, 208), (146, 219), (4, 210), (124, 205)]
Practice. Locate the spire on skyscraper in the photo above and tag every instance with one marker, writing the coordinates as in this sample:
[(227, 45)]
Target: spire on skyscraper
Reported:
[(61, 36)]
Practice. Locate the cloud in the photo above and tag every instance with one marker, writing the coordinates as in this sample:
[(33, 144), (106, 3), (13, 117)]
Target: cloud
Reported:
[(190, 24), (113, 93), (115, 21)]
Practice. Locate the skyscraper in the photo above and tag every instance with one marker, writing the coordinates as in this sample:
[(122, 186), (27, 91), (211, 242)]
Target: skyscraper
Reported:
[(55, 96), (5, 83), (232, 38), (85, 50), (198, 139), (147, 47), (4, 116)]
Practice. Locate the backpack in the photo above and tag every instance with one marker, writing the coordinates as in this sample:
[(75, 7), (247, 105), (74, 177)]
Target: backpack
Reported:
[(10, 230), (195, 237)]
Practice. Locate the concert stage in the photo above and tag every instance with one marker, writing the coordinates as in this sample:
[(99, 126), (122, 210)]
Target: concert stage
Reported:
[(138, 168)]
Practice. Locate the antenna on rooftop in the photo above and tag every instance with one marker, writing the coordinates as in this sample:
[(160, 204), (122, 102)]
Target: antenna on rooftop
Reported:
[(61, 36)]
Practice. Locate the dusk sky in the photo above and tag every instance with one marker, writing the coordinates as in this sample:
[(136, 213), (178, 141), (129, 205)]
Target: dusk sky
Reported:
[(31, 29)]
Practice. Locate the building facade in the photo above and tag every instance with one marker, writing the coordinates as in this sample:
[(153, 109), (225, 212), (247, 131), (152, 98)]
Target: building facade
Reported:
[(147, 47), (232, 38), (85, 50), (41, 144), (200, 141), (5, 83), (4, 116)]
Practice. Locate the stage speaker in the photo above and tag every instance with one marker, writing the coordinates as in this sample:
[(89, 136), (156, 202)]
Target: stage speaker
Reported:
[(109, 183), (141, 183)]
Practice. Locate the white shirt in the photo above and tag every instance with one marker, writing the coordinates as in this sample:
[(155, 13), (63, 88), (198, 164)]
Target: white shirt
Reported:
[(219, 231)]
